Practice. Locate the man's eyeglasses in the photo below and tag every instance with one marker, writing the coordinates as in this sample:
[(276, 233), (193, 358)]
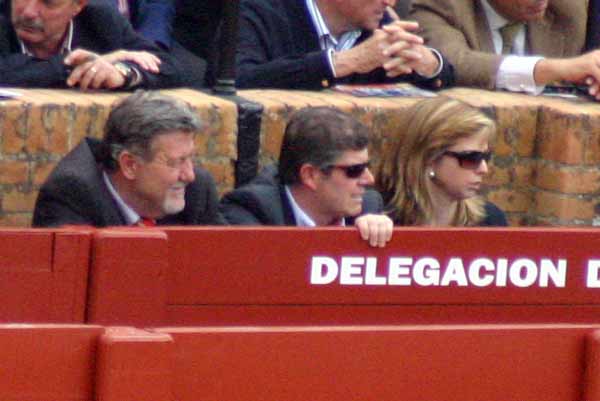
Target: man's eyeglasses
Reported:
[(471, 159), (352, 170)]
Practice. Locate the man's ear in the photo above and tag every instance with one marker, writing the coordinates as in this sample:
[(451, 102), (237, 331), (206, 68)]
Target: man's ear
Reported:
[(310, 176), (128, 164), (78, 6)]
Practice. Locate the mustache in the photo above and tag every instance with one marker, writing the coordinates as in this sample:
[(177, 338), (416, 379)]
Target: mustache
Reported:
[(29, 24)]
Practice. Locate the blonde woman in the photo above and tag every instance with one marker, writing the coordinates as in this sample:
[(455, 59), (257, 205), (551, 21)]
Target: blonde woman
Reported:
[(431, 174)]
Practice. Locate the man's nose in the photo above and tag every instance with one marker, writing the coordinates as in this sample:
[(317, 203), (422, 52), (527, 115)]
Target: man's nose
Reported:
[(367, 177), (31, 8), (186, 174)]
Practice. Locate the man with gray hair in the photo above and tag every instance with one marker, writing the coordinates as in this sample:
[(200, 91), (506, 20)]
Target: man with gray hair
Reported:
[(141, 173)]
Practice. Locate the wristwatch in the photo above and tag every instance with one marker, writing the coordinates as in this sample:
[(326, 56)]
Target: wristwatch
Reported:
[(126, 71)]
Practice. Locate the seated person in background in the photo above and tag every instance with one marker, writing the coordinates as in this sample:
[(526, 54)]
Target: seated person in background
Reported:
[(68, 43), (513, 45), (323, 180), (141, 171), (431, 172), (311, 44), (153, 19)]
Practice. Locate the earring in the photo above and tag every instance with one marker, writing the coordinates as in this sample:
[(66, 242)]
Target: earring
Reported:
[(431, 174)]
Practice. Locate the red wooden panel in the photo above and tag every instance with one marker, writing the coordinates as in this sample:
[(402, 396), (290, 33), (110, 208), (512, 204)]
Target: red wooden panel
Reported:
[(127, 277), (43, 275), (246, 274), (227, 315), (435, 363), (134, 364), (47, 362)]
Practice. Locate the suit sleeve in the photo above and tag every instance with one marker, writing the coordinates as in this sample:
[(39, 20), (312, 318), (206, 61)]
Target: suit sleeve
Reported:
[(263, 37), (171, 72), (18, 69), (442, 29), (59, 205), (240, 208), (153, 20)]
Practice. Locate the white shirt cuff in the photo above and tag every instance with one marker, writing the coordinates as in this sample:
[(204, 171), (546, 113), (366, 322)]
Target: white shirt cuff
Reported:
[(440, 64), (516, 74), (331, 64)]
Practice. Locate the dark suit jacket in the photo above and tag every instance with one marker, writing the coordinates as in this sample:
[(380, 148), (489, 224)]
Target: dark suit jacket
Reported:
[(592, 37), (99, 28), (153, 19), (279, 48), (264, 202), (75, 193)]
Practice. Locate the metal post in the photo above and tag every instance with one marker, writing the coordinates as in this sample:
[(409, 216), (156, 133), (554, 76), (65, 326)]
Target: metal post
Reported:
[(225, 83)]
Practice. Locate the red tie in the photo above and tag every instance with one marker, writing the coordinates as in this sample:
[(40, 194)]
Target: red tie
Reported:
[(146, 222)]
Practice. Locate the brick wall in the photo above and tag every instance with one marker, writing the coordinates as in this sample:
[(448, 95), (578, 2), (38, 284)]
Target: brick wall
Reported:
[(546, 168), (40, 127)]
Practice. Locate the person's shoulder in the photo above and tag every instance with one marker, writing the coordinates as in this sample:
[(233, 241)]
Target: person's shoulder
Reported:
[(372, 202), (271, 8), (494, 216), (79, 162), (98, 10)]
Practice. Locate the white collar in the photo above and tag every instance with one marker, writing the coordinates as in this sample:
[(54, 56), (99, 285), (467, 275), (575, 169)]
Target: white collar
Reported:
[(64, 48), (130, 215)]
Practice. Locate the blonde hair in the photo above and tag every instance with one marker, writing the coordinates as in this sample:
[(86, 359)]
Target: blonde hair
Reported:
[(432, 126)]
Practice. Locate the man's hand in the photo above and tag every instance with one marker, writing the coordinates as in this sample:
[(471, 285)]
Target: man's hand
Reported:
[(146, 61), (362, 58), (375, 228), (92, 71), (578, 70), (406, 51)]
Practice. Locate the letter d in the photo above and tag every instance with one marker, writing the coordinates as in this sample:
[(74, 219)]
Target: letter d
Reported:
[(323, 270), (592, 274)]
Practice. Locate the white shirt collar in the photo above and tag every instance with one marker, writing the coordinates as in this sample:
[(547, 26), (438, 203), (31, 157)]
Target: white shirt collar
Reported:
[(495, 20), (326, 39), (131, 217), (64, 48), (301, 217)]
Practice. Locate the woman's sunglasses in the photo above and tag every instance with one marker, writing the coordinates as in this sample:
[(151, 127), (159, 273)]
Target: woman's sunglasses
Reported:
[(352, 170), (470, 160)]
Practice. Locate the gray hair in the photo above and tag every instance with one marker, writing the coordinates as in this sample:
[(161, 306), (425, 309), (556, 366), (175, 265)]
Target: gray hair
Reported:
[(138, 119)]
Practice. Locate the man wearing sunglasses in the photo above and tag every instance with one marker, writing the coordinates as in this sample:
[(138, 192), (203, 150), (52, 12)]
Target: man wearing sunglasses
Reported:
[(322, 179)]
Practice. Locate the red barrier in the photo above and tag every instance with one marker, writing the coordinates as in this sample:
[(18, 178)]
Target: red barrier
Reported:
[(283, 276), (127, 277), (47, 362), (43, 275), (436, 363), (134, 365)]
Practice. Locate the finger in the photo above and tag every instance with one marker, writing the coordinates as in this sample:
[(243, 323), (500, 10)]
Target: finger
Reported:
[(79, 56), (395, 48), (87, 77), (411, 26), (392, 13), (363, 228), (405, 36), (76, 74), (397, 66), (99, 79)]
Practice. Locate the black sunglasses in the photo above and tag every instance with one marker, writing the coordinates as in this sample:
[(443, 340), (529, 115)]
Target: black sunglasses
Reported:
[(351, 171), (471, 159)]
